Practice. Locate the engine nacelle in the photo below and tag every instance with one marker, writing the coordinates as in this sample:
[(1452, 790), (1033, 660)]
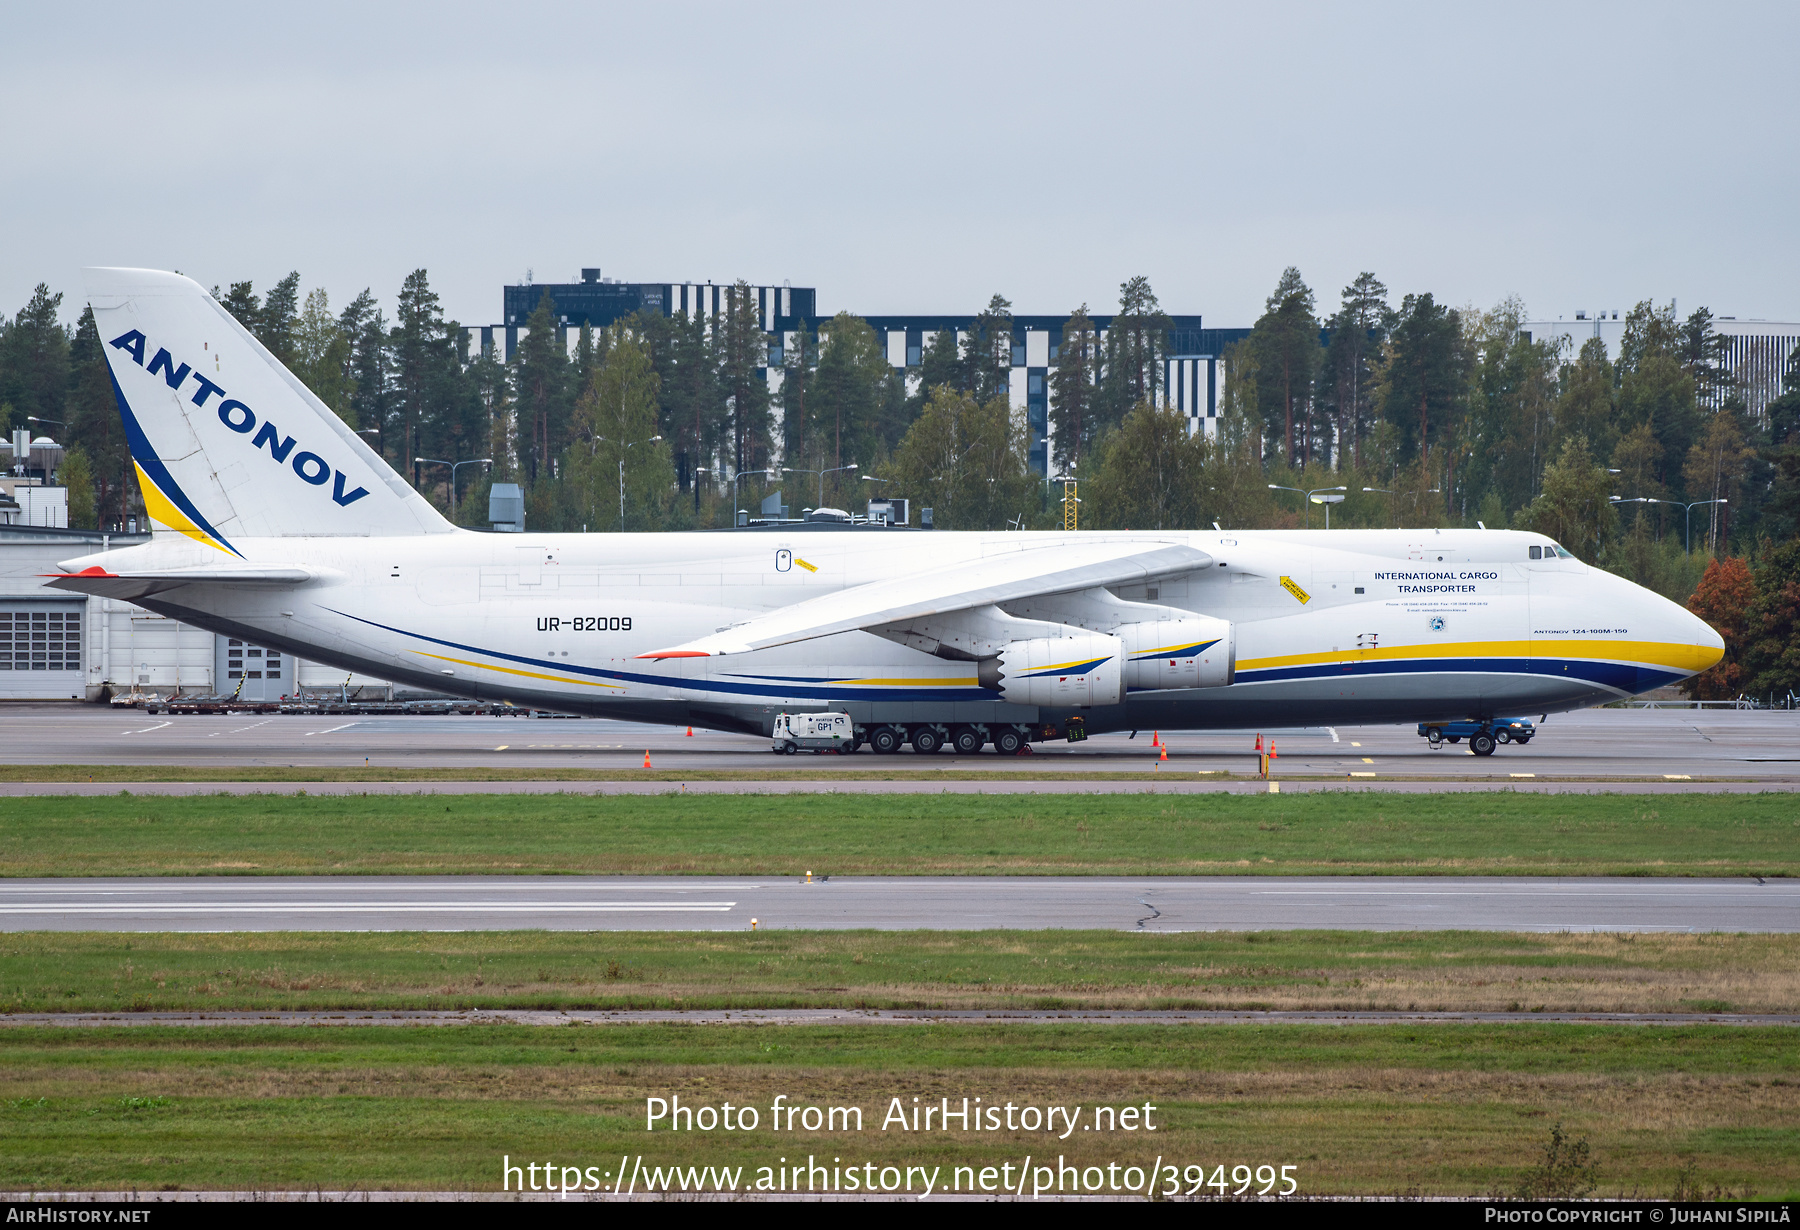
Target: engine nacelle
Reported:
[(1178, 653), (1061, 671)]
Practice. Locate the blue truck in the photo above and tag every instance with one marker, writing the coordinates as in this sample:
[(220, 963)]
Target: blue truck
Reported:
[(1483, 737)]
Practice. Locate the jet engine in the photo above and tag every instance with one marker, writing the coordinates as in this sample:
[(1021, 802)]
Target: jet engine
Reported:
[(1062, 671), (1178, 653)]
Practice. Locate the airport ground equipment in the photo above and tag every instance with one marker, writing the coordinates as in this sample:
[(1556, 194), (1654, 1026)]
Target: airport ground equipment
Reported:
[(812, 732), (1483, 736)]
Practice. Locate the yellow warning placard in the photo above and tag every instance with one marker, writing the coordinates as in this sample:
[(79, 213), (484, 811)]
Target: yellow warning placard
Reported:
[(1287, 583), (805, 565)]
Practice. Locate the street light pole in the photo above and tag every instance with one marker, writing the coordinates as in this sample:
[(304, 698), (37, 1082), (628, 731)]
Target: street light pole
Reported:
[(622, 451), (454, 467), (1310, 501), (821, 474), (1687, 533), (1411, 495)]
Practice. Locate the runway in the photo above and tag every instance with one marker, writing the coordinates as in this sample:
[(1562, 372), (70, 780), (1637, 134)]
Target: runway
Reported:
[(633, 903), (1661, 748)]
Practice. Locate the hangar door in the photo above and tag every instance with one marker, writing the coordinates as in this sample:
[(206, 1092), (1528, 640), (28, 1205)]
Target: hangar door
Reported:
[(40, 651), (265, 674)]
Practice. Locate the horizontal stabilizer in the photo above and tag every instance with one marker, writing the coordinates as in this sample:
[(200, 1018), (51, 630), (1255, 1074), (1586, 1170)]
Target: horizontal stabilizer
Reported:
[(1056, 568), (128, 585)]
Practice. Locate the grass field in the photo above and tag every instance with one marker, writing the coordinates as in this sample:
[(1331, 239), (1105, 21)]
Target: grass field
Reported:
[(1450, 971), (1459, 1110), (1480, 834)]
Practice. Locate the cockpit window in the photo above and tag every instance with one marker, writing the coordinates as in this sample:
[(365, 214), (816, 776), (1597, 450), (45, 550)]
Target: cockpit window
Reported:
[(1537, 553), (1561, 554)]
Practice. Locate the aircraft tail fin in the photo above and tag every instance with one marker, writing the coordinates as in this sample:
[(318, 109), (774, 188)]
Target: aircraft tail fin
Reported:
[(228, 443)]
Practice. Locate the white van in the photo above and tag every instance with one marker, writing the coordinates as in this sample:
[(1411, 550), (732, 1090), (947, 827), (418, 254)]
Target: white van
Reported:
[(812, 732)]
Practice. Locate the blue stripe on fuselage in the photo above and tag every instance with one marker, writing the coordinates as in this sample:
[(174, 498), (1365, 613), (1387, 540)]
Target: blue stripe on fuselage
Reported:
[(699, 685)]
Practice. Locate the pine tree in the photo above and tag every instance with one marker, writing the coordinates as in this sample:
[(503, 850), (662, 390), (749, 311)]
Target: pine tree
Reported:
[(280, 315), (541, 376), (798, 361), (366, 328), (421, 350), (1073, 413), (1136, 342), (743, 353), (243, 304), (1357, 329), (1427, 380), (987, 351), (94, 425), (34, 361), (690, 397), (1285, 342)]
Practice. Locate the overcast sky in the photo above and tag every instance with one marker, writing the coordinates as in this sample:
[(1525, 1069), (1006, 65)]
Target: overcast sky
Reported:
[(916, 157)]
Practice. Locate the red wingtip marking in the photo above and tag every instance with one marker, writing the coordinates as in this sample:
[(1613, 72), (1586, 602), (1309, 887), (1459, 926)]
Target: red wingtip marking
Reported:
[(676, 653), (91, 571)]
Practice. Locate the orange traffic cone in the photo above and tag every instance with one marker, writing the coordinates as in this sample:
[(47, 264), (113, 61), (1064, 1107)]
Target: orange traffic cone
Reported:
[(1259, 742), (646, 758), (1156, 738), (1165, 752), (690, 733)]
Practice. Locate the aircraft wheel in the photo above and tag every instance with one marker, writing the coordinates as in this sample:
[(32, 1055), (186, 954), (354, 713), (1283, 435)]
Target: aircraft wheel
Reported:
[(884, 740), (1482, 744), (926, 740), (965, 740), (1008, 741)]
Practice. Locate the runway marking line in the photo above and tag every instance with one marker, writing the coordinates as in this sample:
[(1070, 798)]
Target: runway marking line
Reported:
[(503, 747), (1362, 775), (611, 907), (252, 726), (1521, 774), (146, 730), (1367, 760), (1677, 777), (345, 726)]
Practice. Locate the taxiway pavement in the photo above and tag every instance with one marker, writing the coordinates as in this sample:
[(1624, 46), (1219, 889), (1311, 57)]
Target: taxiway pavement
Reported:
[(1663, 748)]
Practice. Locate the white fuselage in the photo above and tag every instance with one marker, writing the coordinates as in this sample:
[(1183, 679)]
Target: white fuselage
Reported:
[(1330, 626)]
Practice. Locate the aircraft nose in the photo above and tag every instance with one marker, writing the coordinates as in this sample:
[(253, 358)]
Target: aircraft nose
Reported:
[(1708, 645)]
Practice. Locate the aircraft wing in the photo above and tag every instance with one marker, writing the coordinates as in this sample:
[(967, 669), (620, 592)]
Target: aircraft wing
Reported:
[(1050, 569), (132, 584)]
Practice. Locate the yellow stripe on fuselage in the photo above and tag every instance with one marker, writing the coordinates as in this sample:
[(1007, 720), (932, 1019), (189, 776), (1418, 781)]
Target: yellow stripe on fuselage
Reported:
[(1674, 656), (507, 670), (164, 513)]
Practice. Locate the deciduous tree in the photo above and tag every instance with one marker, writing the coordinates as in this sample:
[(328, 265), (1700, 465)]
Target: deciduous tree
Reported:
[(1576, 506)]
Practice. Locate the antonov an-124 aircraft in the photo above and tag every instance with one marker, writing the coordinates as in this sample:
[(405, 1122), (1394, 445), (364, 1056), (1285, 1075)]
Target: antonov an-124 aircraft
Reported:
[(276, 524)]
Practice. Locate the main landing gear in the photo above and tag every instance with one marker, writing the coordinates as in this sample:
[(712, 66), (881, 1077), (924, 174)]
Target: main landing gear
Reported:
[(928, 739)]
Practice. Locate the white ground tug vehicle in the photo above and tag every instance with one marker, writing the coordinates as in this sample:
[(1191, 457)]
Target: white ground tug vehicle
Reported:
[(813, 732)]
